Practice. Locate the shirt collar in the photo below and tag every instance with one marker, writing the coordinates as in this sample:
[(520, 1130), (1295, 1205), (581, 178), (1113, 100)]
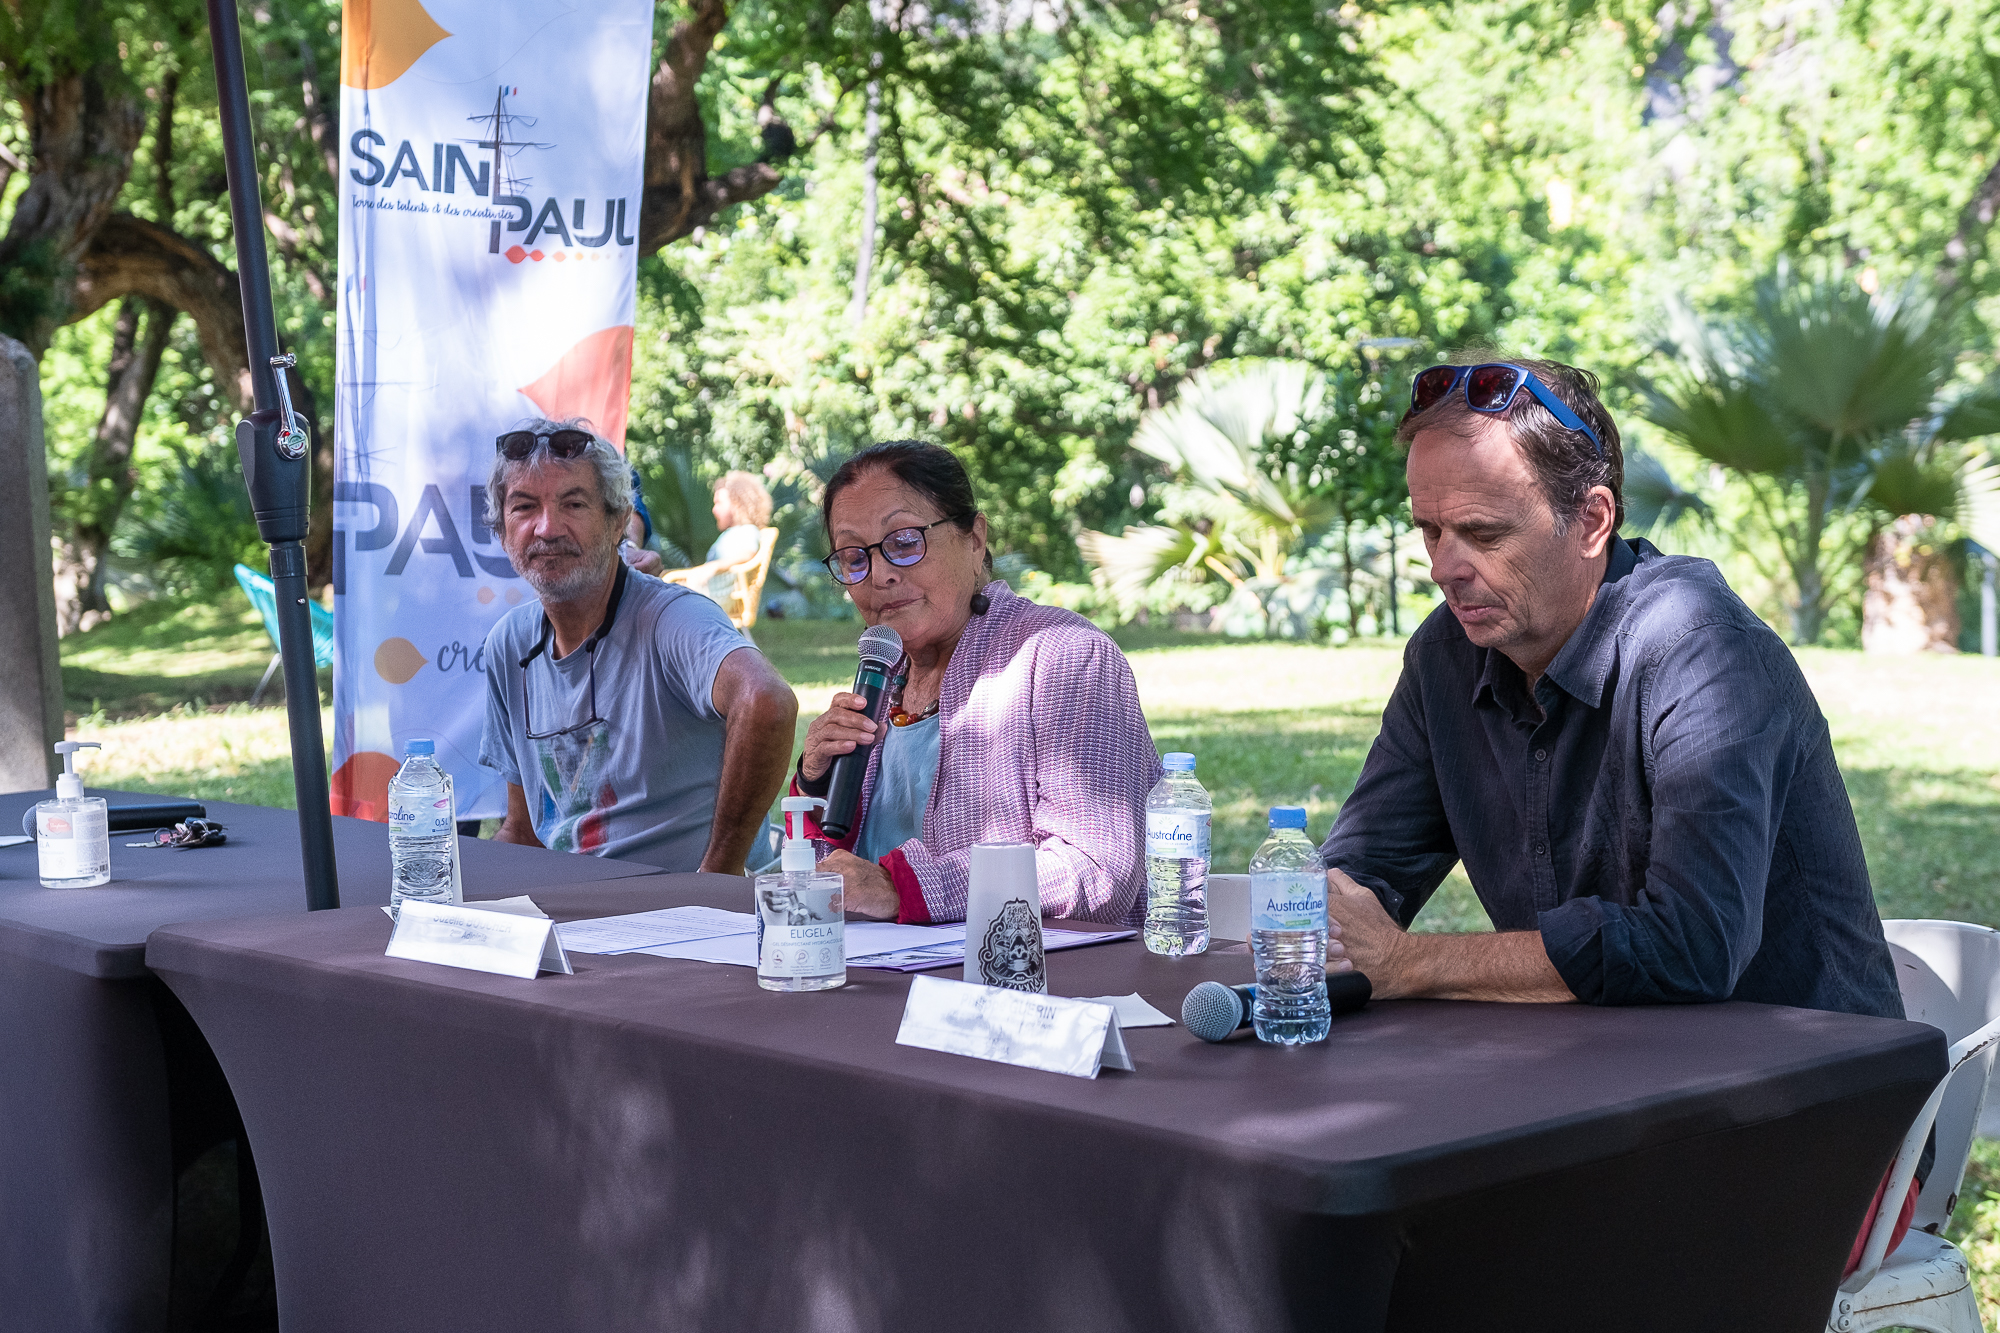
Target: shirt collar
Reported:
[(1583, 664)]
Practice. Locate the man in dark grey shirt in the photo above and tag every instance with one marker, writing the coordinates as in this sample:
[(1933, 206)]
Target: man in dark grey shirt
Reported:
[(1628, 762)]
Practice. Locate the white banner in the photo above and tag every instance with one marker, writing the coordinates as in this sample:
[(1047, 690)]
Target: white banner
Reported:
[(491, 169)]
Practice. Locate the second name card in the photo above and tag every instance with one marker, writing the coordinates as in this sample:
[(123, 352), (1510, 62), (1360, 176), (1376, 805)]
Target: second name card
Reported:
[(1062, 1036)]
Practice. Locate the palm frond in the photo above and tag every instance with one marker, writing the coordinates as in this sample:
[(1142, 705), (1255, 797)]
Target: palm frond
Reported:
[(1856, 366), (1654, 502)]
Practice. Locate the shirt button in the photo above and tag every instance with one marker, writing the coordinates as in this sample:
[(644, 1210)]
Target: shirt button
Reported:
[(1541, 755), (1541, 849)]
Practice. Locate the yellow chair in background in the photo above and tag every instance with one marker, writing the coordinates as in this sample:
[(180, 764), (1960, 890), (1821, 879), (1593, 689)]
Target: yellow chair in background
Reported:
[(741, 603)]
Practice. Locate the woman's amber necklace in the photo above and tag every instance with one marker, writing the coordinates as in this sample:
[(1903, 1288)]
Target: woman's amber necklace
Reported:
[(898, 715)]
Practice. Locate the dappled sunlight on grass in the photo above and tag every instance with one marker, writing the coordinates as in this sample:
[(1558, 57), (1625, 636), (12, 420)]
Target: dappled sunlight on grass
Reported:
[(235, 754)]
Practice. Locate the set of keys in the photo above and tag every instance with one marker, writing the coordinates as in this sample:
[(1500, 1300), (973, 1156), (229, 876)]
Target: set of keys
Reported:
[(187, 833)]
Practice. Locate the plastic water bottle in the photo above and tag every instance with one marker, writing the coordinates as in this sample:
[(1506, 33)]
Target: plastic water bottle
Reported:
[(1178, 812), (423, 831), (1288, 933)]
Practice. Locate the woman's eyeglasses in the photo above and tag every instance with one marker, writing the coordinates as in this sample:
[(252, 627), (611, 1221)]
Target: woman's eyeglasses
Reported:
[(902, 548), (518, 444), (1491, 389)]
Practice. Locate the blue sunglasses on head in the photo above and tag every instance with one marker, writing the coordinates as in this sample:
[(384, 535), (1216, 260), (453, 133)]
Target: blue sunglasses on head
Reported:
[(1491, 389)]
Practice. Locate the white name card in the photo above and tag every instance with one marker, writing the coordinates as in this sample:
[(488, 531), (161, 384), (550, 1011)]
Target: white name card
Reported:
[(482, 937), (1074, 1037)]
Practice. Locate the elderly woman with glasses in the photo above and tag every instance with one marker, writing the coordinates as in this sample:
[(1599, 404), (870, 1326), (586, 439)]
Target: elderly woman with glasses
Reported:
[(1016, 722)]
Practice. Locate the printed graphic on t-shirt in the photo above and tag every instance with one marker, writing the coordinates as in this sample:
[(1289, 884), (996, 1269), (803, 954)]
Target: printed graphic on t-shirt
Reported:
[(576, 797)]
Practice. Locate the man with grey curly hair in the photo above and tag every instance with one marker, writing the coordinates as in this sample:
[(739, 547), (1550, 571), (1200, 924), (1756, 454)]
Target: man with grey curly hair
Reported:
[(629, 717)]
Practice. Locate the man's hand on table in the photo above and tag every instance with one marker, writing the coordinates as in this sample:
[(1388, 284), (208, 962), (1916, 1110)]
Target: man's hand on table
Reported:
[(1401, 966), (868, 891)]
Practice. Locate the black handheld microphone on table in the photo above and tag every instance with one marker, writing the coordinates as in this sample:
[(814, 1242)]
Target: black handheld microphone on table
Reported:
[(1214, 1012), (880, 648)]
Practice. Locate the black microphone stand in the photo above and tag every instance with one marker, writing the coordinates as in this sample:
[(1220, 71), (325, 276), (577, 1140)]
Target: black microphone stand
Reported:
[(275, 445)]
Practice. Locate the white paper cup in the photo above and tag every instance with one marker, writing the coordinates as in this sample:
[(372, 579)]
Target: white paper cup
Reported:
[(1229, 907), (1003, 919)]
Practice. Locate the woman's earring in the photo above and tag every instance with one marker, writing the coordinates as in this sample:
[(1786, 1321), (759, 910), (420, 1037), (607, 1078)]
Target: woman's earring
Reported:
[(980, 603)]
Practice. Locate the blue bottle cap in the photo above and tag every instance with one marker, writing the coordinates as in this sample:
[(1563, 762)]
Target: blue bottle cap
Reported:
[(419, 747), (1177, 762), (1288, 816)]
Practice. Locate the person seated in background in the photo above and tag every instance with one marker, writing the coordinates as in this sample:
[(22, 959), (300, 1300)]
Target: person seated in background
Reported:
[(629, 717), (1627, 761), (742, 508), (1017, 722)]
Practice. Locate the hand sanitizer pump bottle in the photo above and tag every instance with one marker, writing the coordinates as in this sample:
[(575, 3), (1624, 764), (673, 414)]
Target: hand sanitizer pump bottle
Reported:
[(73, 832), (801, 914)]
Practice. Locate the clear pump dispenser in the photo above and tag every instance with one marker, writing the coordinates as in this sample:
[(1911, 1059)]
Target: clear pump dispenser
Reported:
[(801, 914), (73, 832)]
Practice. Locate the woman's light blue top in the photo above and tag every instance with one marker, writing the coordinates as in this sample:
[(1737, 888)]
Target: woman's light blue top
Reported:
[(895, 811), (734, 543)]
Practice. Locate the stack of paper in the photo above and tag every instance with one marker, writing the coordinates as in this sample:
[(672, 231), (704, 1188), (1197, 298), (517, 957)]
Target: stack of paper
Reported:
[(638, 931), (711, 935)]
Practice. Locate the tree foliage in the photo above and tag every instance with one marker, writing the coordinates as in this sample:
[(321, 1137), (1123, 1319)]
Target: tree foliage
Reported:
[(1082, 204)]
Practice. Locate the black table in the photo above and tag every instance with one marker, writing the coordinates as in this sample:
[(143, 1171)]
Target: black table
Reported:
[(656, 1144), (106, 1088)]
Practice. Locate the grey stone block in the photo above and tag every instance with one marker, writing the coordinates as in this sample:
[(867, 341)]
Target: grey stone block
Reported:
[(31, 697)]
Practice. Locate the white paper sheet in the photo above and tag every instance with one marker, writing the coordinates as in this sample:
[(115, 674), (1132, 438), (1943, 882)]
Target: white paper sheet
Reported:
[(641, 932), (864, 939)]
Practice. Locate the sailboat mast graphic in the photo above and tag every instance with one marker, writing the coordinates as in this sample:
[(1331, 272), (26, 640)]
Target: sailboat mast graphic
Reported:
[(507, 186)]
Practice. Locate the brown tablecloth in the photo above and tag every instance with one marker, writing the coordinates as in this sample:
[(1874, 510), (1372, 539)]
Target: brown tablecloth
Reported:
[(656, 1144), (105, 1087)]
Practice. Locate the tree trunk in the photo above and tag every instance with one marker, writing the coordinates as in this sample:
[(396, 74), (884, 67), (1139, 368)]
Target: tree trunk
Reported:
[(680, 195), (1809, 610), (133, 256), (1911, 605), (83, 127), (135, 364)]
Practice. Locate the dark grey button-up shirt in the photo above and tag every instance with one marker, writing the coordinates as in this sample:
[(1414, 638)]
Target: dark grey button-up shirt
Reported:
[(1664, 807)]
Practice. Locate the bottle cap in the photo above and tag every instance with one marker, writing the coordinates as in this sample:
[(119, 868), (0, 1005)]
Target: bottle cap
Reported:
[(419, 747), (798, 854), (1177, 762), (69, 786), (1288, 816)]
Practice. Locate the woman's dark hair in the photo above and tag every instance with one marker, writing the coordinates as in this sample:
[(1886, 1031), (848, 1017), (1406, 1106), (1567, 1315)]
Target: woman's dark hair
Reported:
[(931, 470)]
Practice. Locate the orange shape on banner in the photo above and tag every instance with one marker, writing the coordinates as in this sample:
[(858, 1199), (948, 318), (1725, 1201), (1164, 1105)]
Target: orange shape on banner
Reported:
[(593, 379), (361, 786), (396, 660), (381, 39)]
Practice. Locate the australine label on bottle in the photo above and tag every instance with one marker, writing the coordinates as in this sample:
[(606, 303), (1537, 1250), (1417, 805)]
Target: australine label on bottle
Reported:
[(1283, 900), (1178, 834), (417, 820)]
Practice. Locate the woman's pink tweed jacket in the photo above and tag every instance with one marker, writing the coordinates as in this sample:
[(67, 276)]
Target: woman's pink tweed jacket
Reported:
[(1041, 739)]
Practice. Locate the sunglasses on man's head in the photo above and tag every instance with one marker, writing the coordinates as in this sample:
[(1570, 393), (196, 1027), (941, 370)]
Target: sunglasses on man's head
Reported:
[(1491, 389), (518, 444)]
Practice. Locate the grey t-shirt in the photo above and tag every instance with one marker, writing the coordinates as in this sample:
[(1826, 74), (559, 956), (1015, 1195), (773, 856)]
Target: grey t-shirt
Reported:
[(639, 781)]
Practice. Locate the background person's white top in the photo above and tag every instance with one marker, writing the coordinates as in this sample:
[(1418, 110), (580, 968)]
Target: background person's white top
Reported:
[(734, 543), (641, 784)]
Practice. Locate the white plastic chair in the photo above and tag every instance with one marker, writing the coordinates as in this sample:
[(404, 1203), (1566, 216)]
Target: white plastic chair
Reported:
[(1949, 974)]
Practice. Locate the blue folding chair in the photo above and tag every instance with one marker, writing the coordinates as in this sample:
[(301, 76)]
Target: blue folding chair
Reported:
[(263, 595)]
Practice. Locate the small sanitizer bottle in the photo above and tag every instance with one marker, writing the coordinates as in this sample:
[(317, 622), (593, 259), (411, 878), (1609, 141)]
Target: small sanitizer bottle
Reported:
[(73, 832), (801, 914)]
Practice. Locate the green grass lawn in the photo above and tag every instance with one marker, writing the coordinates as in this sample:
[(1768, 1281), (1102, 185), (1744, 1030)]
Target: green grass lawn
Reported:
[(1918, 740)]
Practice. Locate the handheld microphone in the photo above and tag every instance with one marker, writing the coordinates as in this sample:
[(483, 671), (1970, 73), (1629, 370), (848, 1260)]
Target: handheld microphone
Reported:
[(880, 649), (1214, 1012)]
